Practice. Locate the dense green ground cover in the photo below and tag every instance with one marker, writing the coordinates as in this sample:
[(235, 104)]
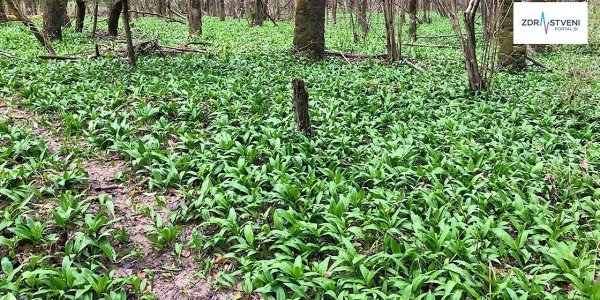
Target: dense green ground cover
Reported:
[(413, 187)]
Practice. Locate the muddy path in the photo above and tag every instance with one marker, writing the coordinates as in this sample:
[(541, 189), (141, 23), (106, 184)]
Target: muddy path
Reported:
[(173, 277)]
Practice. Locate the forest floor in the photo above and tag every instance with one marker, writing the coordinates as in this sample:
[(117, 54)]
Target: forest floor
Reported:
[(185, 178)]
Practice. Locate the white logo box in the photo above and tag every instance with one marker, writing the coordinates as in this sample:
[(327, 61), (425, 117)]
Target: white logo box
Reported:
[(550, 23)]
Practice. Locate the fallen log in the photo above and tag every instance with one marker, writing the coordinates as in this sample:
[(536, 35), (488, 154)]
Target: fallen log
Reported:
[(430, 46), (354, 55)]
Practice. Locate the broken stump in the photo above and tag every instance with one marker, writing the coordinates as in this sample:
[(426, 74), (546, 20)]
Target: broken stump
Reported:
[(301, 114)]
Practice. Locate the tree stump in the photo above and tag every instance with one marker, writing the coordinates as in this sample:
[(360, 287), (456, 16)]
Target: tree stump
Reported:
[(301, 114)]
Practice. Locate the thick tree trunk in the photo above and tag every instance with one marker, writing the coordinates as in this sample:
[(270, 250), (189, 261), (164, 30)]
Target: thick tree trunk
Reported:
[(95, 19), (80, 15), (222, 10), (412, 28), (130, 51), (53, 19), (113, 18), (259, 15), (195, 17), (309, 32), (509, 55), (3, 18), (301, 113)]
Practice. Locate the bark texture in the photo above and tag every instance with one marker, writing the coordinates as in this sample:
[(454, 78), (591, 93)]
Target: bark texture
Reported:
[(509, 55), (259, 15), (130, 51), (412, 28), (301, 114), (80, 15), (195, 17), (222, 10), (53, 19), (393, 50), (3, 18), (113, 18), (309, 32)]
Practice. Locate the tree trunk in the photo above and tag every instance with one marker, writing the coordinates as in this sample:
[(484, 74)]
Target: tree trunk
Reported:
[(3, 18), (195, 17), (301, 113), (113, 18), (53, 19), (361, 15), (12, 7), (80, 15), (130, 51), (222, 10), (95, 19), (391, 45), (258, 17), (509, 55), (412, 28), (309, 32), (334, 7)]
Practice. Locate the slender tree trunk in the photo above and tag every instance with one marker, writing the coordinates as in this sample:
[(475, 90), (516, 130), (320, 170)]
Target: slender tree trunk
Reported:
[(509, 55), (3, 18), (80, 15), (12, 7), (195, 17), (127, 27), (95, 19), (53, 19), (222, 10), (291, 9), (309, 32), (388, 14), (361, 15), (334, 7), (113, 18), (412, 28), (66, 21)]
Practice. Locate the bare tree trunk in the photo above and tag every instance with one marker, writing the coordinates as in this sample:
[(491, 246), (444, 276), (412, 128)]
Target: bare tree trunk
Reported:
[(509, 55), (95, 19), (53, 19), (301, 113), (80, 15), (195, 17), (127, 27), (113, 18), (309, 32), (361, 15), (291, 9), (3, 18), (334, 7), (392, 46), (412, 28), (258, 17), (12, 7), (222, 10)]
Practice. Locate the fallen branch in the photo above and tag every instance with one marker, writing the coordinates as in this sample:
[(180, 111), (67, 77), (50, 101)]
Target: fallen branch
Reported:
[(146, 13), (55, 57), (39, 35), (198, 43), (353, 55), (430, 46), (408, 62), (441, 36), (190, 50), (536, 63), (8, 55)]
